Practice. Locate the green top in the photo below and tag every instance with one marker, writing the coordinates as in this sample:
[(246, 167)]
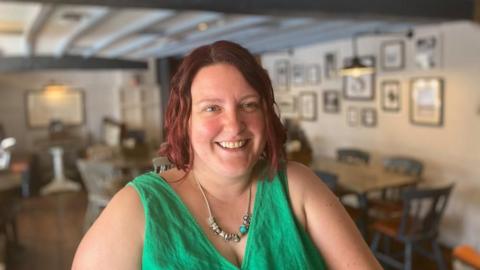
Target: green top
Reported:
[(174, 240)]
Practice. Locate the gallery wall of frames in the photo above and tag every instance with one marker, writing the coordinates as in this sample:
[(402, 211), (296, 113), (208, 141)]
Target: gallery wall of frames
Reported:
[(423, 101)]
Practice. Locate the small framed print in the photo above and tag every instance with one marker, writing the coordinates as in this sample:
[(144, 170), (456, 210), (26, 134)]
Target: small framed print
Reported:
[(331, 101), (313, 74), (286, 105), (298, 74), (426, 106), (282, 74), (369, 117), (308, 106), (427, 52), (352, 116), (330, 65), (391, 96), (392, 55), (360, 87)]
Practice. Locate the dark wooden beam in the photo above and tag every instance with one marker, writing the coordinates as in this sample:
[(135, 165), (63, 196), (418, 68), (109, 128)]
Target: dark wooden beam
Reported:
[(9, 64), (433, 9)]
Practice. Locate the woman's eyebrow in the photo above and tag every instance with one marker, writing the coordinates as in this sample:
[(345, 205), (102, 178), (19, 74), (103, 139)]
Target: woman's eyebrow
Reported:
[(208, 100)]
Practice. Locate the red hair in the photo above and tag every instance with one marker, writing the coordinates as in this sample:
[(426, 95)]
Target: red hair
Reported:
[(178, 147)]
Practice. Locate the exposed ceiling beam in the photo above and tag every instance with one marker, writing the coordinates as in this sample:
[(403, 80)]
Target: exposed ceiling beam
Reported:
[(435, 9), (9, 64), (85, 26), (129, 29), (36, 26)]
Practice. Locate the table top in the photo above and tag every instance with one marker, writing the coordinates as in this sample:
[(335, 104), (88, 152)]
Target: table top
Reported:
[(362, 178), (9, 180)]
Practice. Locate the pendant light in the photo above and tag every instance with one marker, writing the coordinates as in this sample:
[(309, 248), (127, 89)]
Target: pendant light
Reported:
[(356, 68)]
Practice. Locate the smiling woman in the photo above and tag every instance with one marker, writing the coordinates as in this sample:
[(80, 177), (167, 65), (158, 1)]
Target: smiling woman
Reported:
[(232, 201)]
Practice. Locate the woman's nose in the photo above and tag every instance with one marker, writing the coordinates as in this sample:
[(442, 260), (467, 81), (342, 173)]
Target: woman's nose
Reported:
[(233, 122)]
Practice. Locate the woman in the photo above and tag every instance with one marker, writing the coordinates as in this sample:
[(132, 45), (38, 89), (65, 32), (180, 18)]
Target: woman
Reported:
[(231, 202)]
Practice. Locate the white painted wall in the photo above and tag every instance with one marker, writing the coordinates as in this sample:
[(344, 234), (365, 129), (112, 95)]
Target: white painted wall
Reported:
[(101, 99), (450, 152)]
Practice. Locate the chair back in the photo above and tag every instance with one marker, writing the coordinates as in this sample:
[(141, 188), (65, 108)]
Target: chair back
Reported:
[(351, 155), (161, 164), (102, 180), (403, 165), (330, 179), (422, 211)]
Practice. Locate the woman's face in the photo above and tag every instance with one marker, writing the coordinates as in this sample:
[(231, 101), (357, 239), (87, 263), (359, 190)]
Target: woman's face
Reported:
[(227, 123)]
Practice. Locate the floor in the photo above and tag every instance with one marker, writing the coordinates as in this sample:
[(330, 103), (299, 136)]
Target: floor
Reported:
[(50, 229)]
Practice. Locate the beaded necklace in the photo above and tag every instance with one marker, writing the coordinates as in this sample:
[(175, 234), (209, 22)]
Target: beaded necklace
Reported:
[(235, 237)]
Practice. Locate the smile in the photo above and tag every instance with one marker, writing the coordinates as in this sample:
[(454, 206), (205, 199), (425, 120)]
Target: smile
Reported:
[(233, 145)]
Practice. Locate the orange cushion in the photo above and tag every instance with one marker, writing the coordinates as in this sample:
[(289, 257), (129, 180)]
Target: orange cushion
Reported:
[(467, 255)]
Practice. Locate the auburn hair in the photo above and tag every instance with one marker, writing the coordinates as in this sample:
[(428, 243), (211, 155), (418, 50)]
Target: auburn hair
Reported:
[(177, 147)]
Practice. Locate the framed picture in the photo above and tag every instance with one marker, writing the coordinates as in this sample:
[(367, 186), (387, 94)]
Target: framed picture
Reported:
[(427, 52), (392, 55), (391, 96), (64, 105), (308, 106), (313, 74), (298, 74), (286, 105), (369, 117), (282, 74), (352, 116), (330, 65), (331, 101), (426, 105), (360, 87)]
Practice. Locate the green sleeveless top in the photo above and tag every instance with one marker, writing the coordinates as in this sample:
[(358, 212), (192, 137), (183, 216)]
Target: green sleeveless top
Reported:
[(174, 240)]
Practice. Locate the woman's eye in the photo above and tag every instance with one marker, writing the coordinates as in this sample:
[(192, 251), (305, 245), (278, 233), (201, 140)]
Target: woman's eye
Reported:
[(250, 106), (211, 108)]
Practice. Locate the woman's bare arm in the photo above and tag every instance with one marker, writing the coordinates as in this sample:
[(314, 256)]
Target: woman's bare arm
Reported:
[(115, 240), (328, 224)]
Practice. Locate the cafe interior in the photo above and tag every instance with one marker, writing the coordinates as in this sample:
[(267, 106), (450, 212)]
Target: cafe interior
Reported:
[(379, 98)]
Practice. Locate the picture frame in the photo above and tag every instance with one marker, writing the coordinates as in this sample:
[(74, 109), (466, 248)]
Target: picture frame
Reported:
[(331, 101), (360, 87), (66, 105), (286, 105), (392, 56), (298, 74), (391, 95), (427, 51), (308, 106), (312, 74), (282, 74), (369, 117), (426, 101), (330, 65), (353, 116)]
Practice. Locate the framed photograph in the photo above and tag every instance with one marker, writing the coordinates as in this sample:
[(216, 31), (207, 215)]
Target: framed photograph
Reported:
[(426, 105), (391, 96), (313, 74), (427, 52), (286, 105), (65, 105), (308, 106), (360, 87), (298, 74), (369, 117), (392, 55), (282, 74), (353, 116), (330, 65), (331, 101)]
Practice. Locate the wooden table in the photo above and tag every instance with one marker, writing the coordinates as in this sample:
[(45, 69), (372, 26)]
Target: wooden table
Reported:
[(362, 179)]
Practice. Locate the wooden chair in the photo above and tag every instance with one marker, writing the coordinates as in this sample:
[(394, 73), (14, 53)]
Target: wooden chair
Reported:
[(102, 180), (352, 155), (389, 203), (422, 212)]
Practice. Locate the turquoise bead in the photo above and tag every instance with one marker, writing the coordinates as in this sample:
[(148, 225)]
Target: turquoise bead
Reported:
[(243, 229)]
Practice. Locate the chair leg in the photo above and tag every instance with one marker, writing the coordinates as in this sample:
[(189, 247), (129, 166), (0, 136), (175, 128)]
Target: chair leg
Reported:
[(438, 256), (375, 241), (408, 256)]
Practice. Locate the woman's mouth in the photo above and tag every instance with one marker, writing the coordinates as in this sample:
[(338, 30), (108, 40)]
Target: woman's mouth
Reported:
[(233, 144)]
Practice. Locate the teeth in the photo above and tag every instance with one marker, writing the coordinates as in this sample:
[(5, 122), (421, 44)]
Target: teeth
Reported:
[(233, 145)]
